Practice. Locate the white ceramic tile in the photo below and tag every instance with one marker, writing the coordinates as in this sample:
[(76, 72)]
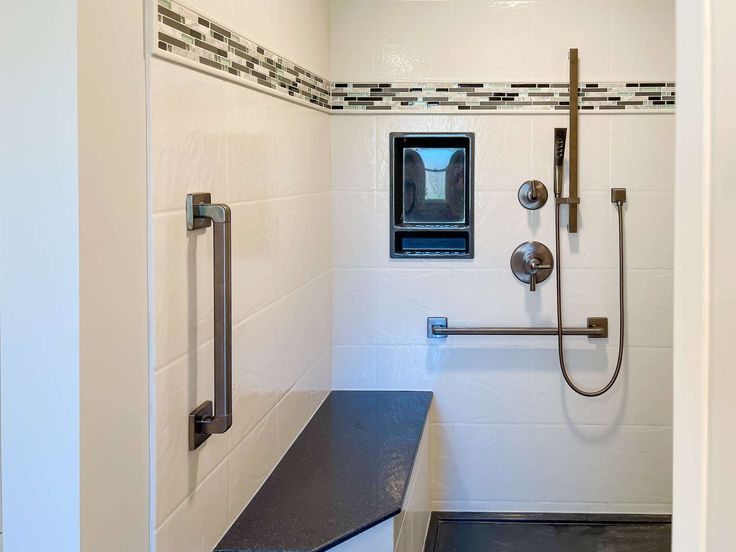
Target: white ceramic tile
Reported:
[(256, 257), (420, 368), (301, 32), (302, 401), (502, 30), (564, 24), (643, 152), (531, 463), (353, 27), (594, 152), (642, 38), (354, 306), (643, 459), (353, 367), (180, 388), (649, 229), (182, 269), (303, 150), (257, 386), (353, 156), (251, 462), (519, 40), (354, 213), (188, 135), (302, 239), (481, 385), (649, 308), (251, 148), (304, 330), (201, 520), (406, 48)]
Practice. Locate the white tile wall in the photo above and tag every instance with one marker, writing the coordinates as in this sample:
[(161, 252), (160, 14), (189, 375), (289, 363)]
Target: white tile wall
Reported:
[(269, 160), (310, 240), (513, 40), (506, 431)]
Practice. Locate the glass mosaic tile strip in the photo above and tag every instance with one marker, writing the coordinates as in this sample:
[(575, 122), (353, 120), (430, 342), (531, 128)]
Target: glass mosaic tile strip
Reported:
[(185, 33), (461, 96)]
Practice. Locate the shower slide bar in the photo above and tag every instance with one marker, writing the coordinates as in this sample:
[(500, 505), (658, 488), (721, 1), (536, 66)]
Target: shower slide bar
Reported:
[(437, 328), (210, 418)]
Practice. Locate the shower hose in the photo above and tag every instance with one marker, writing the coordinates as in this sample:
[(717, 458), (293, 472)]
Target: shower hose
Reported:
[(558, 277)]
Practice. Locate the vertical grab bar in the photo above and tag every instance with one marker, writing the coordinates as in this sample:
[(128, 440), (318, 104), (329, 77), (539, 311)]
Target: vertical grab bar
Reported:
[(209, 418)]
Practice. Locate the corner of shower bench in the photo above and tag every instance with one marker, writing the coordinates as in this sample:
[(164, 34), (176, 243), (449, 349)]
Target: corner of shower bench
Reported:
[(355, 480)]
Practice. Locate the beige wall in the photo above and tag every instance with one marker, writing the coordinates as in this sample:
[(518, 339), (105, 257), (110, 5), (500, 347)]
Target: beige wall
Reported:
[(705, 385), (114, 410), (267, 158)]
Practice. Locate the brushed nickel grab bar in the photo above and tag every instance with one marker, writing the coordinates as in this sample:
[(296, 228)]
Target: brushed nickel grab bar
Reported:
[(209, 418), (437, 328)]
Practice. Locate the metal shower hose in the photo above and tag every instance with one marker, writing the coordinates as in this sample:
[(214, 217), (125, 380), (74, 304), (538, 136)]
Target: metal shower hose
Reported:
[(558, 273)]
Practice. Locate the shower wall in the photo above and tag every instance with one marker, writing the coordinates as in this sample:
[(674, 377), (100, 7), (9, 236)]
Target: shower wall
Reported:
[(507, 434), (269, 160)]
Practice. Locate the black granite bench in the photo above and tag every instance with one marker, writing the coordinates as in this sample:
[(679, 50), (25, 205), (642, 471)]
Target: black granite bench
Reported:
[(347, 472)]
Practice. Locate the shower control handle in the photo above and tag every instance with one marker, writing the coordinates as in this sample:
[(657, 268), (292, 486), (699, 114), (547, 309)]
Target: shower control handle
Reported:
[(534, 267), (215, 417), (532, 263)]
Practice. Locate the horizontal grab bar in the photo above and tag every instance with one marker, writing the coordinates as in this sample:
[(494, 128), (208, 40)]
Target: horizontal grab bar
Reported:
[(437, 328)]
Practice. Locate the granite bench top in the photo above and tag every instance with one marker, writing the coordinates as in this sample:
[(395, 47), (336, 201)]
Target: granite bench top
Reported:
[(346, 472)]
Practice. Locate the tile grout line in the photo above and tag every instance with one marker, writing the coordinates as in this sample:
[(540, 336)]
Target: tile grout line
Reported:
[(245, 319), (249, 432)]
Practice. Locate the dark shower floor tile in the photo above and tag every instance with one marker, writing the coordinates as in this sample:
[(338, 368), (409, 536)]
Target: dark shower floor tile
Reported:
[(475, 532)]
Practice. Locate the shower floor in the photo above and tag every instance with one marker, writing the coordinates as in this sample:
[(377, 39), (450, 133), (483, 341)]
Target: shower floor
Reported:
[(482, 532)]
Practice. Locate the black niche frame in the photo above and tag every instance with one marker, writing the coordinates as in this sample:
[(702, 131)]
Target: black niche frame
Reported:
[(430, 240)]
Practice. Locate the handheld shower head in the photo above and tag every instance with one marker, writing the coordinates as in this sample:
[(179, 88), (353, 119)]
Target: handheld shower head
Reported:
[(560, 139)]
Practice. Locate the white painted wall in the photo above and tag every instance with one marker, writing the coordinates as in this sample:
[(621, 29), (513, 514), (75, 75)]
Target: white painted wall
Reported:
[(269, 160), (506, 432), (113, 294), (704, 382), (73, 306), (39, 314)]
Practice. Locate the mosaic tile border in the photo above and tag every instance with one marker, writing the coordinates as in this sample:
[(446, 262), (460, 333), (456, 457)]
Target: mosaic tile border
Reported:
[(185, 34), (479, 96)]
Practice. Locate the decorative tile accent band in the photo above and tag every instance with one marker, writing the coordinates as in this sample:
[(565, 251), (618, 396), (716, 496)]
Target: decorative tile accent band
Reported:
[(182, 32), (185, 33), (486, 96)]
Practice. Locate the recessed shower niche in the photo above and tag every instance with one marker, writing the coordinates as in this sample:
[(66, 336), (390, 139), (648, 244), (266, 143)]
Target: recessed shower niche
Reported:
[(432, 195)]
